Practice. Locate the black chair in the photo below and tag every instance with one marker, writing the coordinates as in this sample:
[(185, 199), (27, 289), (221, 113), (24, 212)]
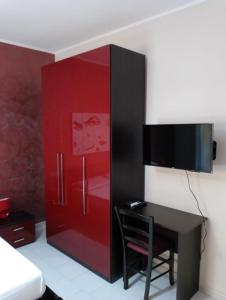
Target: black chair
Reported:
[(137, 236)]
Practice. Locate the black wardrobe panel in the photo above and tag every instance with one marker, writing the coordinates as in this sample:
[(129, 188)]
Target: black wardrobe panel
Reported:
[(127, 119)]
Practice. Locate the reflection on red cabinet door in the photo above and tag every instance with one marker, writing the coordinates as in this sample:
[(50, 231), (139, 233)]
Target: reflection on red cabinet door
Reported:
[(96, 150), (51, 149), (77, 157), (72, 105)]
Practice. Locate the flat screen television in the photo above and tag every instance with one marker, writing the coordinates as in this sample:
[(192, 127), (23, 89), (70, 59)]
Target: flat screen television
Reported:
[(180, 146)]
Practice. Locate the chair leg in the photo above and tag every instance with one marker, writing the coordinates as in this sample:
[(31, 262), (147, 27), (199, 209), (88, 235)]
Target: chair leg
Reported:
[(171, 268), (148, 280), (125, 271)]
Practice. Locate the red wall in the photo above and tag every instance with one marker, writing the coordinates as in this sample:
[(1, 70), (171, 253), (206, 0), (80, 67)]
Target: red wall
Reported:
[(21, 157)]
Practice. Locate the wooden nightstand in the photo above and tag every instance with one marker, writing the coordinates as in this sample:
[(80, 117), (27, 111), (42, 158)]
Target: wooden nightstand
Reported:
[(18, 229)]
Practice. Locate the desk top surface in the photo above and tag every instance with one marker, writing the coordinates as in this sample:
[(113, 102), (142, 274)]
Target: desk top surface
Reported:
[(170, 218)]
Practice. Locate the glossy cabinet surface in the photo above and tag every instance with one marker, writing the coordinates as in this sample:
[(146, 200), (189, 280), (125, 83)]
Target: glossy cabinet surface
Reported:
[(55, 213), (77, 157), (93, 107)]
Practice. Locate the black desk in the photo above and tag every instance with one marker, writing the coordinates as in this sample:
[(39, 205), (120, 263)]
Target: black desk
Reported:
[(185, 229)]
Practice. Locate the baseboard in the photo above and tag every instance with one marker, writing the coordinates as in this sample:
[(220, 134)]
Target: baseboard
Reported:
[(40, 224), (206, 290), (213, 293)]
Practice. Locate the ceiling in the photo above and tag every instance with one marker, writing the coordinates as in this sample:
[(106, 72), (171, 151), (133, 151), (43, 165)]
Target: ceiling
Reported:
[(52, 25)]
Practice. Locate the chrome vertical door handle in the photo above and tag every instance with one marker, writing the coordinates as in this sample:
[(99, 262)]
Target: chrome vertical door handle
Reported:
[(84, 185), (62, 177), (58, 180)]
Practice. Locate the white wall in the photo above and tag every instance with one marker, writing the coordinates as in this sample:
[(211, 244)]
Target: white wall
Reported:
[(186, 82)]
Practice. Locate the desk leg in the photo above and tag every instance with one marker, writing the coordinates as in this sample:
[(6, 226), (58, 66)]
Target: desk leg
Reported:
[(188, 263)]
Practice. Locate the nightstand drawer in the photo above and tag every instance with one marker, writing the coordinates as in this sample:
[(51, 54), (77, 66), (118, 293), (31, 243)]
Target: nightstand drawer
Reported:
[(14, 232), (20, 241), (18, 232)]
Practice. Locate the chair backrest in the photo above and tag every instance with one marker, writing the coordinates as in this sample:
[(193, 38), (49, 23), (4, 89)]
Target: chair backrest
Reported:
[(135, 228)]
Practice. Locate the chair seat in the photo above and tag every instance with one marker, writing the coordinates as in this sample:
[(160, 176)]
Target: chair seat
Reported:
[(160, 245)]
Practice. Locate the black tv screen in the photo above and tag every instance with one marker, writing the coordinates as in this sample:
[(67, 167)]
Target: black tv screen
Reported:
[(180, 146)]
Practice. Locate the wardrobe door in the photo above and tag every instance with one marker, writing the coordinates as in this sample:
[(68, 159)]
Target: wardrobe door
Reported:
[(72, 156), (95, 84), (52, 148)]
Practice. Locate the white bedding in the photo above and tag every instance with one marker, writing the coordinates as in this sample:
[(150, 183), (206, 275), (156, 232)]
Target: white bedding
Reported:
[(19, 278)]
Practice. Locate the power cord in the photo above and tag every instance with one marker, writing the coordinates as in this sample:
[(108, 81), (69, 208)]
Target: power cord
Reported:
[(200, 211)]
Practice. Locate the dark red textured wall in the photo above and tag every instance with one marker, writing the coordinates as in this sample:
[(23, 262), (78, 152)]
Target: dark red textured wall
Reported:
[(21, 157)]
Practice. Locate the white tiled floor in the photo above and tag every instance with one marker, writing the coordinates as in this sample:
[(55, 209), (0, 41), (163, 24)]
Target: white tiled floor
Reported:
[(72, 281)]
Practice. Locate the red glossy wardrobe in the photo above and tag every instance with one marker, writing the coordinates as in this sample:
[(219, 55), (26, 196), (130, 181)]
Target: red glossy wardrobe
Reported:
[(93, 107)]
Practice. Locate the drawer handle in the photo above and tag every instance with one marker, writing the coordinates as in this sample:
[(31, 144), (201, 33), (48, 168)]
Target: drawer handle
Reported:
[(20, 240), (18, 228)]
